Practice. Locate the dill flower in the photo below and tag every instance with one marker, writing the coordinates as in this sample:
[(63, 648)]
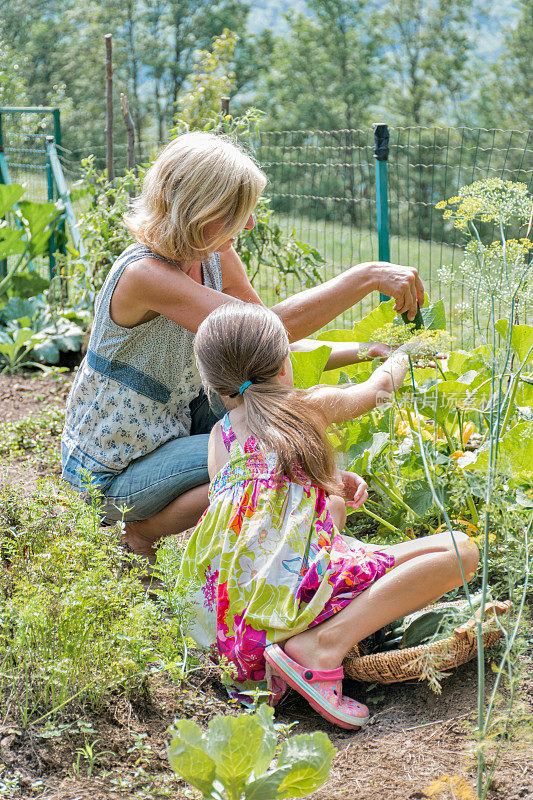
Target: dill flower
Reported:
[(490, 200)]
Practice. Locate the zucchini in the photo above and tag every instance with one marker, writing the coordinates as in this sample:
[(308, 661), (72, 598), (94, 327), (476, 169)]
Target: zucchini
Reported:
[(418, 321)]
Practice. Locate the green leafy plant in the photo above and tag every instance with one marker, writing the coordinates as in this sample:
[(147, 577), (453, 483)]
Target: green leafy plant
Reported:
[(104, 234), (25, 234), (33, 332), (91, 756), (452, 448), (231, 760)]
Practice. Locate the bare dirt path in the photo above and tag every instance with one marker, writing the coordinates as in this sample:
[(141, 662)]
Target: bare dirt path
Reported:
[(418, 745)]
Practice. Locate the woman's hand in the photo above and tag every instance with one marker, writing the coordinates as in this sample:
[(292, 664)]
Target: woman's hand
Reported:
[(352, 488), (402, 283)]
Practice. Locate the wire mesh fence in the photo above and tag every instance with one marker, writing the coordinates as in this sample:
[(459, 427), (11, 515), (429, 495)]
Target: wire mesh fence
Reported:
[(322, 187)]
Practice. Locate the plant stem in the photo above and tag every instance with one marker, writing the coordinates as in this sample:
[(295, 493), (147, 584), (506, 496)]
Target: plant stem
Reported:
[(392, 495), (380, 520)]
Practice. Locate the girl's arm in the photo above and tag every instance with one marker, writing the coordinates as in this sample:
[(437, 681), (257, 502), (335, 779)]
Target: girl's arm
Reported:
[(217, 454), (344, 353), (341, 403)]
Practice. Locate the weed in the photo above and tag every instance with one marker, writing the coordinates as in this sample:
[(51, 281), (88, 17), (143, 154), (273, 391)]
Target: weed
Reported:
[(91, 756), (35, 435)]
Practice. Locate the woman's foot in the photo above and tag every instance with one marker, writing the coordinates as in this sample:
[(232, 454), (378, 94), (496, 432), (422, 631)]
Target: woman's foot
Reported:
[(136, 536)]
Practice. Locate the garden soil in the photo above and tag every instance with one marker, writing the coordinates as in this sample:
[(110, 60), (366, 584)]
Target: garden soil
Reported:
[(417, 745)]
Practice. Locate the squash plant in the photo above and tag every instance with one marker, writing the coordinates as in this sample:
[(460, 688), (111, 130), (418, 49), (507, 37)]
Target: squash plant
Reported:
[(455, 444), (231, 760), (32, 332), (26, 237)]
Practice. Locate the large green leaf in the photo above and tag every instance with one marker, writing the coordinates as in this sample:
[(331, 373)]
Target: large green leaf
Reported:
[(266, 786), (267, 750), (28, 284), (524, 394), (363, 330), (374, 447), (17, 308), (234, 743), (47, 352), (310, 757), (188, 757), (515, 453), (434, 316), (461, 361), (11, 241), (39, 219), (417, 495), (521, 338), (308, 367), (9, 194)]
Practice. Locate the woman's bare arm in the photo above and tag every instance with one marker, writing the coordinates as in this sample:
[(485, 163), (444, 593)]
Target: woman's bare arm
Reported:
[(308, 311), (149, 286)]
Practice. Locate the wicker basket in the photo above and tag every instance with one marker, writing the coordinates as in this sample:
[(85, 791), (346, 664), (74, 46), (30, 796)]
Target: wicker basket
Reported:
[(413, 663)]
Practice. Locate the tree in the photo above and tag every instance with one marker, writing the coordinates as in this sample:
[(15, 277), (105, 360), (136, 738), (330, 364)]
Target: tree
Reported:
[(428, 47), (210, 79), (13, 90), (323, 74), (154, 42), (505, 98)]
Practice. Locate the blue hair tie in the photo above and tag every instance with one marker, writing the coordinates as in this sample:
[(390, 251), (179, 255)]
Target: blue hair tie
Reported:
[(244, 386)]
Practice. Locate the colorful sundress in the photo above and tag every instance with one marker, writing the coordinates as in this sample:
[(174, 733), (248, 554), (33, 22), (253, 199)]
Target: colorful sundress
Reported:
[(265, 561)]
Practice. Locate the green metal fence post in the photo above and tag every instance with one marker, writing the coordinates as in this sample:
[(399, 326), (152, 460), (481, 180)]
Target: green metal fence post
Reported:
[(57, 137), (50, 191), (381, 154), (57, 126)]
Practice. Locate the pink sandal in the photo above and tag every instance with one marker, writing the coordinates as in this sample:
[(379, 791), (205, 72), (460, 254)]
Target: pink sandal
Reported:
[(321, 688)]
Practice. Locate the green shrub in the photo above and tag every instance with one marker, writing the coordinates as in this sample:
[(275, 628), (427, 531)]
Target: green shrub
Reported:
[(74, 624)]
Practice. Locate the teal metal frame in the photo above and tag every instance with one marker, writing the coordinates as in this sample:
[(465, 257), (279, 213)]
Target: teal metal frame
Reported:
[(55, 181), (381, 154)]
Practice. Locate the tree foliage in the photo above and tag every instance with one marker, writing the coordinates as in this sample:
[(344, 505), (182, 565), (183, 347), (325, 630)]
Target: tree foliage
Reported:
[(324, 73), (428, 46)]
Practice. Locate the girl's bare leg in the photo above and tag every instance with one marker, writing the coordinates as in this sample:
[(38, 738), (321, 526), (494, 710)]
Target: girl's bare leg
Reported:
[(180, 514), (426, 569)]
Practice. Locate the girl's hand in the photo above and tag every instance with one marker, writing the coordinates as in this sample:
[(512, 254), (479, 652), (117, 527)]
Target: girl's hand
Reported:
[(370, 350), (353, 488)]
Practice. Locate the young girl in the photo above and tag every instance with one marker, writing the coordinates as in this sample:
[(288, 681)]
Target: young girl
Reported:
[(276, 587)]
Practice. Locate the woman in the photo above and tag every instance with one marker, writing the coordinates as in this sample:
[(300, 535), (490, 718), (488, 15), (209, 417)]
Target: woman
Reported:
[(137, 424)]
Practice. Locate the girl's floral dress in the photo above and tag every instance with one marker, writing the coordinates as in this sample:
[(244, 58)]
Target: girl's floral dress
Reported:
[(265, 561)]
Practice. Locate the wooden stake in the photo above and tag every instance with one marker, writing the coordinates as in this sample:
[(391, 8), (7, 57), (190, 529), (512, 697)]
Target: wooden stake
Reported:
[(109, 106), (224, 105)]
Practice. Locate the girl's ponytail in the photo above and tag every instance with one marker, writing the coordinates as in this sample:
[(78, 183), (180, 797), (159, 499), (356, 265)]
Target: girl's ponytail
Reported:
[(242, 343)]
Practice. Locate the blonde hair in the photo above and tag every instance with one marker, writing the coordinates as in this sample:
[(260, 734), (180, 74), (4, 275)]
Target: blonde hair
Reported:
[(241, 342), (198, 178)]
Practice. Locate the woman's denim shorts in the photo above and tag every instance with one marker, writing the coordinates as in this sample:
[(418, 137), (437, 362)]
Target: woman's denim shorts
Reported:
[(151, 482)]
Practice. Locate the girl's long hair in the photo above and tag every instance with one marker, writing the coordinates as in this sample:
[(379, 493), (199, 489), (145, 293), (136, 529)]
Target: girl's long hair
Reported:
[(241, 342)]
